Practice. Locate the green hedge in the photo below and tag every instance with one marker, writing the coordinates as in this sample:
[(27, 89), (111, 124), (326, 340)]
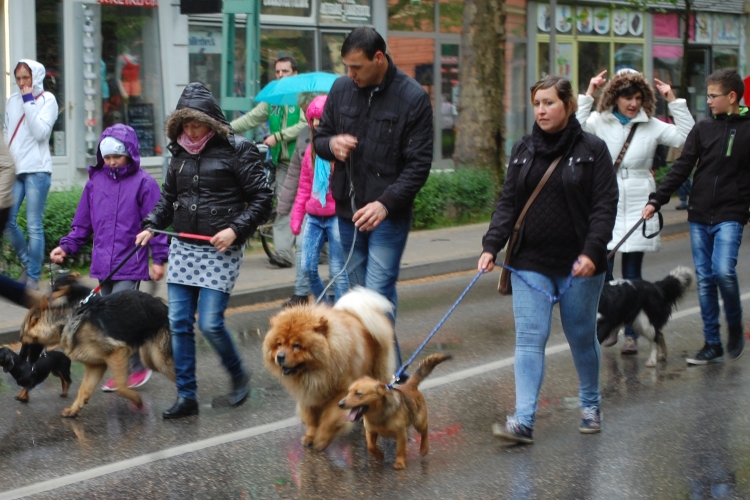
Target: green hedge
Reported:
[(58, 214), (455, 197)]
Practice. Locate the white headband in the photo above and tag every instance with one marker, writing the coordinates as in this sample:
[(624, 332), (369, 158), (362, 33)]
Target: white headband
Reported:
[(112, 146)]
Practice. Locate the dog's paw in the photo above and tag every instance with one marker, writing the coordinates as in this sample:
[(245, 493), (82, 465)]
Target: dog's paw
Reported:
[(307, 441), (376, 454), (399, 464), (70, 412), (64, 395)]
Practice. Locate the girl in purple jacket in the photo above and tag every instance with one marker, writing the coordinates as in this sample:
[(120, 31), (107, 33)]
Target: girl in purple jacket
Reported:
[(315, 207), (116, 198)]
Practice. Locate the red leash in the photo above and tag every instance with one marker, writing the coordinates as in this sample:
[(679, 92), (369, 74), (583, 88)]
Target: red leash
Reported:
[(182, 235)]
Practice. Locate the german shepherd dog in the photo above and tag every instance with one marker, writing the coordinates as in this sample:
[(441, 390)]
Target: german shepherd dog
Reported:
[(103, 333), (30, 374)]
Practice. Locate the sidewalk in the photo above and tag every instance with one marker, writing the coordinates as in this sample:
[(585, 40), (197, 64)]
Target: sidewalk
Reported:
[(428, 253)]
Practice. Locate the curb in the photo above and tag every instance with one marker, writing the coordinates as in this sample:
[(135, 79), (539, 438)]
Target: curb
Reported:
[(417, 271)]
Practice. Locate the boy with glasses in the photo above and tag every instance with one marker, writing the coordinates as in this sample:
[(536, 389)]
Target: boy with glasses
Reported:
[(718, 211)]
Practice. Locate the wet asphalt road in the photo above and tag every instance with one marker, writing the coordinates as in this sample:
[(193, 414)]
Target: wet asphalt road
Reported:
[(670, 432)]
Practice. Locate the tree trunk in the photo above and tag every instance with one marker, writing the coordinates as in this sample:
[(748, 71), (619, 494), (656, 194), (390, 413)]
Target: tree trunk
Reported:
[(480, 135)]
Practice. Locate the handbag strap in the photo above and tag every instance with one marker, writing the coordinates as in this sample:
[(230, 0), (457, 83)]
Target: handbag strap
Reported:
[(533, 196), (19, 124), (625, 146)]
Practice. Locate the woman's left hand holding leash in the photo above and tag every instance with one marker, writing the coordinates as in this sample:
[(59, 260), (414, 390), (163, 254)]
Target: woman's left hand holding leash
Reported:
[(583, 267), (223, 239)]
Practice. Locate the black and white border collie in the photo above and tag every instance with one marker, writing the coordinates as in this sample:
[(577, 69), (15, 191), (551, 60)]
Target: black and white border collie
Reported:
[(643, 305)]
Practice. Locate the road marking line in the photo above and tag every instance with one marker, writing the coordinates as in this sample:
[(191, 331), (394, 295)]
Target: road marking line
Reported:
[(259, 430)]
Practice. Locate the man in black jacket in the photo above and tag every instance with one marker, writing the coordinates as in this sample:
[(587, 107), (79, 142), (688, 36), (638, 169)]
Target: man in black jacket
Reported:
[(718, 208), (377, 126)]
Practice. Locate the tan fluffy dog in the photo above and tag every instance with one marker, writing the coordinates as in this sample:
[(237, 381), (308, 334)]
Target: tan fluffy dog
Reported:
[(318, 351), (390, 411)]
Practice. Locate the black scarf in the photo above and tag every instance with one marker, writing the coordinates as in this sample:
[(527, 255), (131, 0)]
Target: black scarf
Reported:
[(553, 145)]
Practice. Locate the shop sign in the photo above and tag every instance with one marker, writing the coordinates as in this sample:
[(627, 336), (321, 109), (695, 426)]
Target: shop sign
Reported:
[(726, 29), (204, 41), (289, 4), (666, 25), (130, 3), (703, 28), (620, 22), (345, 11)]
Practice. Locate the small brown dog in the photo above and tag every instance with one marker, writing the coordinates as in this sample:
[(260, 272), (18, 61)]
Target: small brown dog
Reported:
[(389, 411)]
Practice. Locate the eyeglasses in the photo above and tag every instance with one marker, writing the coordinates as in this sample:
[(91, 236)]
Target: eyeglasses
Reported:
[(711, 97)]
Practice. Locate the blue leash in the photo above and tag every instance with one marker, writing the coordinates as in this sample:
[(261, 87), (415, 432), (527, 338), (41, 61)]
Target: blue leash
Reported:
[(400, 371), (552, 298)]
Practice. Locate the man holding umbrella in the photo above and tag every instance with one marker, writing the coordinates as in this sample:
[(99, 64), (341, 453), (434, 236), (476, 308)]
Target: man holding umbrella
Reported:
[(285, 123), (377, 126)]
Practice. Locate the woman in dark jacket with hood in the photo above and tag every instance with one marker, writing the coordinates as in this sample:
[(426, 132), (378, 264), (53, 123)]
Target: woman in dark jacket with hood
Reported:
[(215, 186)]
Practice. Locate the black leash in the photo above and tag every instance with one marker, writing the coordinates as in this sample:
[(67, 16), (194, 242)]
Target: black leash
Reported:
[(632, 230), (109, 277)]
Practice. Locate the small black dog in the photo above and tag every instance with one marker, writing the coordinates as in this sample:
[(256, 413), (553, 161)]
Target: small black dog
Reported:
[(643, 305), (29, 375)]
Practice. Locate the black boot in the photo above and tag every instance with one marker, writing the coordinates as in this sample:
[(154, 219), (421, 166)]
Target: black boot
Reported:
[(736, 341), (182, 408), (240, 390)]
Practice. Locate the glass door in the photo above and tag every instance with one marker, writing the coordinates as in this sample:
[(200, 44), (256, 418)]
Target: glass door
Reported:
[(699, 66)]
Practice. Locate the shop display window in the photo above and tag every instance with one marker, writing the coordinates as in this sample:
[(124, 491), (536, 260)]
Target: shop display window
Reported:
[(275, 43), (50, 52), (204, 47), (330, 49), (593, 57), (130, 75), (408, 15), (725, 57)]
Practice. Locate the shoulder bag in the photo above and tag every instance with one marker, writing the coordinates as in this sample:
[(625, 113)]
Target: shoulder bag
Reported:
[(503, 285)]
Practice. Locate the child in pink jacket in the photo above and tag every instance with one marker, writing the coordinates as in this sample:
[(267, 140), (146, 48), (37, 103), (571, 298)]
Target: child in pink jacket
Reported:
[(314, 199)]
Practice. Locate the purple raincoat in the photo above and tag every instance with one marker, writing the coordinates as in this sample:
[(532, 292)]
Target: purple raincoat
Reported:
[(113, 204)]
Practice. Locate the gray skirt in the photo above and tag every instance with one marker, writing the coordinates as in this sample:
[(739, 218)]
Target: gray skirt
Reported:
[(204, 266)]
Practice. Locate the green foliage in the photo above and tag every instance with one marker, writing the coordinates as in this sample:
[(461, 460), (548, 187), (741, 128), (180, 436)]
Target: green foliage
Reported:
[(58, 214), (463, 196)]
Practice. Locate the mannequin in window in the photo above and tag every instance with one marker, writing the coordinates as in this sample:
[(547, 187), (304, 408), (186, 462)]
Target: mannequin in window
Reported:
[(128, 73)]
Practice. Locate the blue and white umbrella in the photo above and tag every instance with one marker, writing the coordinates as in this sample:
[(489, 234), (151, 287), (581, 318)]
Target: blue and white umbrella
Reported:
[(284, 91)]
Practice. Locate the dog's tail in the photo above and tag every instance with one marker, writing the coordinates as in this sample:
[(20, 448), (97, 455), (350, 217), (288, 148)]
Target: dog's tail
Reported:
[(676, 284), (425, 368), (371, 309)]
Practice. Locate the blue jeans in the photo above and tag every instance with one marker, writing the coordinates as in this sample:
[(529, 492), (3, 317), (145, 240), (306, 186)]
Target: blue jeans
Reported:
[(376, 260), (715, 249), (533, 315), (632, 262), (183, 302), (34, 187), (317, 231)]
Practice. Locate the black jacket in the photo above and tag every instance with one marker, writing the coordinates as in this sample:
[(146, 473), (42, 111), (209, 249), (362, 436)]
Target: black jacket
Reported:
[(590, 191), (720, 147), (222, 187), (393, 126)]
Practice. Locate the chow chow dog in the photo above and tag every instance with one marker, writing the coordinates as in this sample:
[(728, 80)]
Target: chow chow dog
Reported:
[(389, 411), (643, 305), (103, 333), (30, 374), (317, 351)]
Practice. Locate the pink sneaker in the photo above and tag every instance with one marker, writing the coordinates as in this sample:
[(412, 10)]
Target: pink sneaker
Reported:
[(110, 386), (137, 379)]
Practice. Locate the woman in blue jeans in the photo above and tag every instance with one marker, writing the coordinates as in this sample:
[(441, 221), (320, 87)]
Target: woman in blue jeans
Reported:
[(215, 186), (561, 252)]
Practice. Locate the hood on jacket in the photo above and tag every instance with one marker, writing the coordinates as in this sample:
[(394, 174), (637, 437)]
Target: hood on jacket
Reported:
[(37, 75), (197, 103), (622, 80), (127, 136), (315, 109)]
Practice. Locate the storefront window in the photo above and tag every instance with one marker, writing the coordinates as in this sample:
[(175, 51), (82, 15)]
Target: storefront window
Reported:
[(204, 46), (451, 16), (131, 88), (668, 64), (330, 49), (629, 56), (449, 90), (299, 44), (725, 57), (593, 58), (50, 50), (411, 15)]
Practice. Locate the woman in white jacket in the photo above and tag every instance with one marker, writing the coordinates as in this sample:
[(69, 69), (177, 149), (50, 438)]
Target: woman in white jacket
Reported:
[(29, 117), (628, 100)]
